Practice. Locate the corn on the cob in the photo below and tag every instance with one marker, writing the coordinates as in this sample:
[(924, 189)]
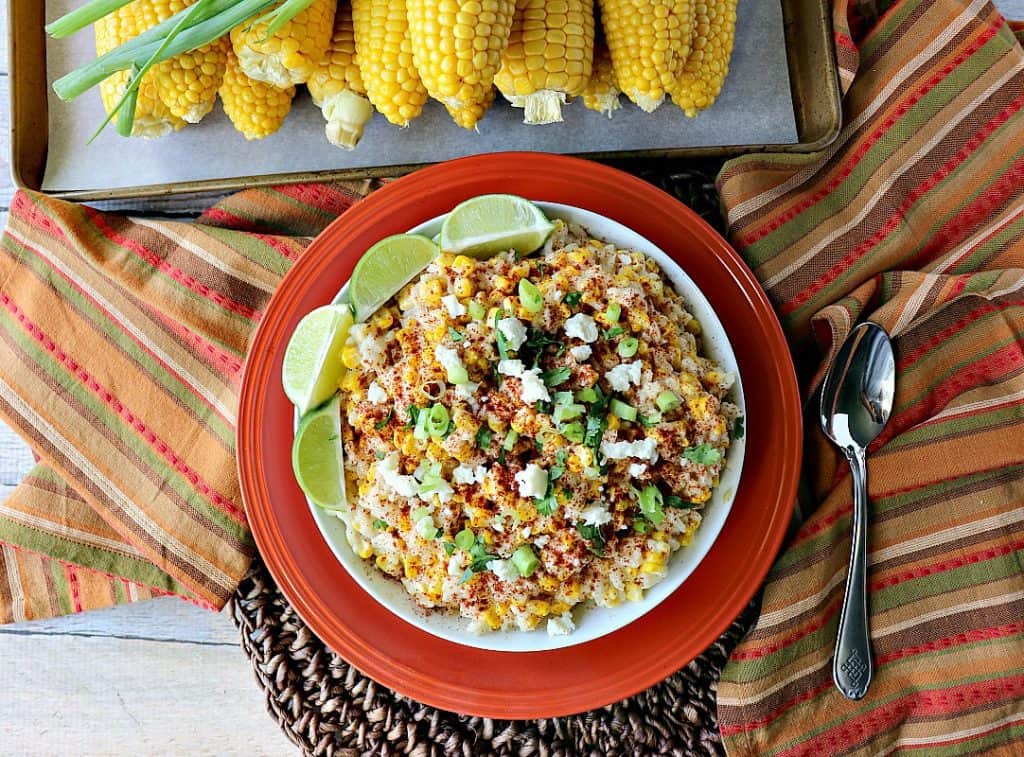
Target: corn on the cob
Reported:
[(549, 57), (153, 116), (188, 83), (649, 41), (289, 55), (257, 109), (457, 47), (705, 70), (384, 51), (602, 91), (336, 86)]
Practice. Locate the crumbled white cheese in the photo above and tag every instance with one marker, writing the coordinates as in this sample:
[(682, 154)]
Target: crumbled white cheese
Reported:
[(533, 481), (511, 368), (467, 391), (533, 387), (480, 473), (624, 374), (505, 570), (403, 486), (454, 307), (625, 259), (644, 449), (455, 565), (581, 326), (542, 541), (443, 490), (514, 332), (375, 393), (581, 353), (425, 527), (463, 474), (448, 358), (561, 626), (637, 469), (596, 514)]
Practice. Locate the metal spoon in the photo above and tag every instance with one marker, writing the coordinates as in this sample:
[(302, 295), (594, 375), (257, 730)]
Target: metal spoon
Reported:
[(856, 400)]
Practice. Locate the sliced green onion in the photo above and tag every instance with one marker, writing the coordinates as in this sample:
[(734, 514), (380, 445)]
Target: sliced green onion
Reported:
[(667, 401), (510, 440), (437, 420), (457, 374), (629, 346), (565, 413), (641, 526), (529, 296), (613, 312), (476, 310), (380, 525), (420, 429), (652, 504), (592, 472), (574, 432), (587, 395), (622, 410), (465, 539), (525, 560), (419, 512), (563, 398)]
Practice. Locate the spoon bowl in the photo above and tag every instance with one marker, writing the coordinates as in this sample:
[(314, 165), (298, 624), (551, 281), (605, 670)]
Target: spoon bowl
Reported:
[(856, 401)]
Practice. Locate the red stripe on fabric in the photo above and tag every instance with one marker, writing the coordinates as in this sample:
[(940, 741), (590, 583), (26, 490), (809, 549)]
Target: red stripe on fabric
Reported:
[(916, 704), (200, 486), (277, 245), (886, 125), (848, 260), (731, 729), (22, 207), (760, 652), (155, 261), (221, 216), (979, 211), (323, 197), (76, 592), (229, 362), (967, 637), (941, 567), (843, 41), (155, 590)]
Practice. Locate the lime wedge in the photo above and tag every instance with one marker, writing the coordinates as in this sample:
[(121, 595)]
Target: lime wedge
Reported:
[(488, 224), (317, 456), (387, 267), (312, 362)]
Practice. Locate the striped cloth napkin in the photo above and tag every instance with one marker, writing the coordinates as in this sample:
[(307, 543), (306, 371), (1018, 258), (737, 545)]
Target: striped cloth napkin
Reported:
[(914, 218), (121, 349)]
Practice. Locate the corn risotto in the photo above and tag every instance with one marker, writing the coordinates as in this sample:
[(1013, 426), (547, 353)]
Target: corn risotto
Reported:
[(523, 436)]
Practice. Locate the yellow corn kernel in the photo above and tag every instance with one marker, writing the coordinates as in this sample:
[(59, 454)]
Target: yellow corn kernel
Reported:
[(698, 405), (660, 536), (457, 47), (384, 320), (634, 593), (693, 326), (350, 356), (602, 90), (550, 584), (256, 109), (410, 566), (559, 608), (571, 590), (613, 422), (463, 287), (364, 488), (388, 562), (350, 381), (291, 54), (611, 596), (463, 263), (366, 551), (502, 284), (708, 63), (491, 618), (538, 607), (384, 52), (649, 43), (578, 256), (652, 567)]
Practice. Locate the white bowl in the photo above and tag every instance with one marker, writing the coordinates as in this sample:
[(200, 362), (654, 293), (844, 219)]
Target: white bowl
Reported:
[(591, 621)]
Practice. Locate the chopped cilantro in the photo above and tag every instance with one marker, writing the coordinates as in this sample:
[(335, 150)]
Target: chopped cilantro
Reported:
[(457, 336), (703, 454), (478, 551), (536, 343), (738, 429), (547, 505), (379, 524), (385, 420), (483, 436), (503, 349), (594, 535), (414, 414), (572, 299), (556, 376), (379, 454), (541, 406), (449, 548), (673, 500), (640, 525)]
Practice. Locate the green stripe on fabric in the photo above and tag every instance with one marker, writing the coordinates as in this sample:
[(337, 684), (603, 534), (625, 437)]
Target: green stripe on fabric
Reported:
[(251, 247), (163, 471), (98, 318), (1010, 233), (918, 115), (974, 743), (876, 704), (61, 587), (135, 569), (975, 421), (120, 595), (965, 333), (883, 31), (946, 581)]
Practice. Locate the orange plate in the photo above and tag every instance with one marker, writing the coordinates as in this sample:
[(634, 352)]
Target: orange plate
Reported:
[(524, 684)]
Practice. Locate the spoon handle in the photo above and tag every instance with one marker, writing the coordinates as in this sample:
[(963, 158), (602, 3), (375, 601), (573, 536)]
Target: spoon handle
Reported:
[(852, 665)]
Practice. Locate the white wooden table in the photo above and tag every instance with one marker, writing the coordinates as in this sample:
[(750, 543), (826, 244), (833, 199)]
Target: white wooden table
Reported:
[(157, 678)]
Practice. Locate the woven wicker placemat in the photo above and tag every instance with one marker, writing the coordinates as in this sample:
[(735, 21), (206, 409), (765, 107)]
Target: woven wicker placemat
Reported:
[(327, 707)]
